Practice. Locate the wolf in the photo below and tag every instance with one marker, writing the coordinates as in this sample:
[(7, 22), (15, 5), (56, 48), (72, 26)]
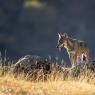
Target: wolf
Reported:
[(76, 49)]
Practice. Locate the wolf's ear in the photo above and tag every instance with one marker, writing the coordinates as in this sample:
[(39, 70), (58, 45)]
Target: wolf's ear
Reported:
[(59, 35), (65, 35)]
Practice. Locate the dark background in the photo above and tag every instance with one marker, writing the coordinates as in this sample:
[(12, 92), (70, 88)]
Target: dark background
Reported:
[(31, 26)]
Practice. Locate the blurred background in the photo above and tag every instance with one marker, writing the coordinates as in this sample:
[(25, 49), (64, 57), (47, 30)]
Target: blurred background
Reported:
[(31, 26)]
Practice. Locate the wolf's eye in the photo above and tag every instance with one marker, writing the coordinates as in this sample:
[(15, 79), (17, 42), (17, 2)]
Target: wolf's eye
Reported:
[(60, 41)]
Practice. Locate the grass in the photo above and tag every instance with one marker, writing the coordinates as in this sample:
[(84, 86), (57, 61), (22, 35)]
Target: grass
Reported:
[(55, 85), (19, 86), (11, 86)]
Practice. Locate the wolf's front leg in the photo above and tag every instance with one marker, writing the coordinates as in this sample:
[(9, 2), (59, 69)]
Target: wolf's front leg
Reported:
[(75, 60), (71, 57)]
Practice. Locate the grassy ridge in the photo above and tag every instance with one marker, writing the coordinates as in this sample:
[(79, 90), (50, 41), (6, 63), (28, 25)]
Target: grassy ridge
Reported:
[(53, 86), (12, 86)]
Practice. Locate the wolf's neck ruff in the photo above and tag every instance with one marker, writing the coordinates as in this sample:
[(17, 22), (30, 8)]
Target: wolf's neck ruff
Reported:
[(70, 44)]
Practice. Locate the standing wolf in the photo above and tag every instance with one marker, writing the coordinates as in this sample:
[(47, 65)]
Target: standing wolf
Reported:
[(77, 50)]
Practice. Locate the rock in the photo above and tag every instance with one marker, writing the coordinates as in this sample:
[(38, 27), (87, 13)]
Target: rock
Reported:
[(30, 65), (91, 66)]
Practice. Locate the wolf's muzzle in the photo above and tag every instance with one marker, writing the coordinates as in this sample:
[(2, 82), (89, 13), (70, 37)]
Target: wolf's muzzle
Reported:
[(57, 46)]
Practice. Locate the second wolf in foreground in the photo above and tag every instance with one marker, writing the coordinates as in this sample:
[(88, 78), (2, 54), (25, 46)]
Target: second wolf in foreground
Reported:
[(78, 51)]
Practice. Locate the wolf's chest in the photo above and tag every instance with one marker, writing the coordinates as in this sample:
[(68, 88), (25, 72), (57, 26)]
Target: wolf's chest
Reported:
[(71, 52)]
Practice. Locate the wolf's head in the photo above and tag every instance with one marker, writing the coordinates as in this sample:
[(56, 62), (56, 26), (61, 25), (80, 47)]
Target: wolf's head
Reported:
[(62, 40)]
